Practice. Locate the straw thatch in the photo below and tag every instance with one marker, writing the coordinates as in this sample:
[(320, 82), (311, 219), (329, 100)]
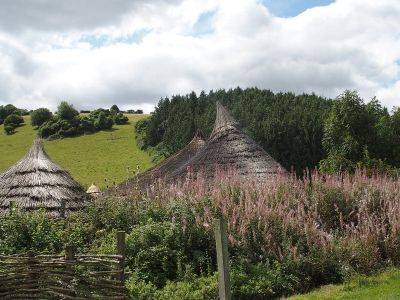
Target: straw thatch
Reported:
[(230, 148), (163, 169), (93, 190), (37, 182)]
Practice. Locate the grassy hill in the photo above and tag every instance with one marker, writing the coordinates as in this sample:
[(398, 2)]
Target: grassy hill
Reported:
[(104, 157), (382, 286)]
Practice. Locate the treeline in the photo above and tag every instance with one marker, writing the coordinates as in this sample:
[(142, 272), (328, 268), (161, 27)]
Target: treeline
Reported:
[(67, 122), (11, 116), (300, 131)]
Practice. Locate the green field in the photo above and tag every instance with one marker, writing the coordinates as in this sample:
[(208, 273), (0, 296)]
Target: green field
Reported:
[(103, 158), (383, 286)]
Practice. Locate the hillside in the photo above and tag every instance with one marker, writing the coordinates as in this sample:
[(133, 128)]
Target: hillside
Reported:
[(104, 157), (381, 286)]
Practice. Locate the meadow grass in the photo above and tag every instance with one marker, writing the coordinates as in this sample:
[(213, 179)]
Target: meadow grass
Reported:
[(382, 286), (103, 158)]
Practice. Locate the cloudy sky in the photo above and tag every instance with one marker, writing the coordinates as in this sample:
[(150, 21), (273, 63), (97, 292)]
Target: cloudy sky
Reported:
[(132, 52)]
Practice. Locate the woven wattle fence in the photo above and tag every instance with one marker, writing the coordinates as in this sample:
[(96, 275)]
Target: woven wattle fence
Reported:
[(63, 277)]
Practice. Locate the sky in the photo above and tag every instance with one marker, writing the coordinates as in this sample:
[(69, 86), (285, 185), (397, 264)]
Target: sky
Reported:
[(96, 53)]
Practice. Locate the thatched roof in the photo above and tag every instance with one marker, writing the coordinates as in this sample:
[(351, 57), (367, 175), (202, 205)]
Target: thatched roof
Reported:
[(163, 169), (37, 182), (93, 189), (230, 148)]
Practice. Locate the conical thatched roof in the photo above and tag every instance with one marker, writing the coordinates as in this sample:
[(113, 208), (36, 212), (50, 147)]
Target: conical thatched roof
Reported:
[(165, 168), (93, 189), (230, 148), (37, 182)]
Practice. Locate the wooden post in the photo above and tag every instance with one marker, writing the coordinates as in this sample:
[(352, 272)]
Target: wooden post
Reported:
[(62, 209), (121, 251), (221, 242), (69, 252), (33, 274)]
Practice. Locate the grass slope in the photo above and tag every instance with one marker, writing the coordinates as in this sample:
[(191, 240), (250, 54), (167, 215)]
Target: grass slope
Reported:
[(383, 286), (104, 157)]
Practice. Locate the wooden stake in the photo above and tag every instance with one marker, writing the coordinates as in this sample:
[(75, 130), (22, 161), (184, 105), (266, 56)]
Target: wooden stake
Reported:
[(221, 242), (69, 252)]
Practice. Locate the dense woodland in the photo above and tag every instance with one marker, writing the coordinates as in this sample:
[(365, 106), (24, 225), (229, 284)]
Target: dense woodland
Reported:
[(300, 131)]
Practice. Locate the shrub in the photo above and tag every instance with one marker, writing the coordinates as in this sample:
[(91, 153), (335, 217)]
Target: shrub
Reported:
[(103, 122), (20, 232), (120, 119), (40, 116), (13, 120), (86, 125), (66, 111), (9, 129), (194, 288)]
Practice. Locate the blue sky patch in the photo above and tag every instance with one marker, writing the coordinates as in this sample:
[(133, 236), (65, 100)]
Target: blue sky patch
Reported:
[(98, 41), (203, 26), (291, 8)]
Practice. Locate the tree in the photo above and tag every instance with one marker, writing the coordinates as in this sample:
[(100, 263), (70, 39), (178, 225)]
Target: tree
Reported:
[(66, 111), (12, 122), (13, 119), (40, 116), (114, 109)]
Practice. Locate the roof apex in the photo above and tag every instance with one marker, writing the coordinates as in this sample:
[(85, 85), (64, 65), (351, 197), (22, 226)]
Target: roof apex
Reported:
[(223, 119)]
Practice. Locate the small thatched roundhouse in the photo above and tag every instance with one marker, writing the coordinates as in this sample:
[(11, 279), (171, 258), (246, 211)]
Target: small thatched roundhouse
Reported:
[(230, 148), (37, 182), (93, 190), (163, 169)]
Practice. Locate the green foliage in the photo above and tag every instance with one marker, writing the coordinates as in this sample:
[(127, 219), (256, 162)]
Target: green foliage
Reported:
[(103, 122), (10, 109), (155, 250), (194, 288), (359, 134), (11, 122), (20, 232), (9, 129), (114, 109), (140, 289), (40, 116), (68, 123), (66, 111), (120, 119), (289, 127)]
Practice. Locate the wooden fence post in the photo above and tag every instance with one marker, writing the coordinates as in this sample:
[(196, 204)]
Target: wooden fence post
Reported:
[(221, 242), (69, 252), (121, 251)]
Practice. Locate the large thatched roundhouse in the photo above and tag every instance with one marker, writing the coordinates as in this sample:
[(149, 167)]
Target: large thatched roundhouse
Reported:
[(164, 169), (230, 148), (37, 182)]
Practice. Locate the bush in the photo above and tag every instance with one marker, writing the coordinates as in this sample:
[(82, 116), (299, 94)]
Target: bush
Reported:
[(120, 119), (66, 111), (9, 129), (14, 120), (20, 232), (40, 116), (11, 122), (103, 122)]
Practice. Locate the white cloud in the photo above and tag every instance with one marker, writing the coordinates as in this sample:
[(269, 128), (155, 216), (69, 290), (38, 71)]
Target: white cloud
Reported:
[(350, 44)]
